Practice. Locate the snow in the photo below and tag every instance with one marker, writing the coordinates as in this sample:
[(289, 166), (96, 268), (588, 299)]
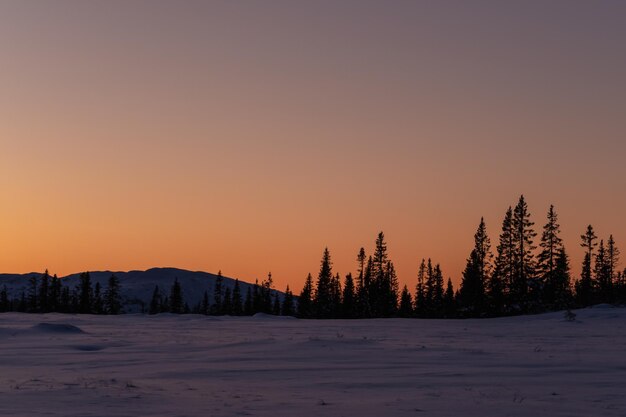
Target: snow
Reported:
[(168, 365)]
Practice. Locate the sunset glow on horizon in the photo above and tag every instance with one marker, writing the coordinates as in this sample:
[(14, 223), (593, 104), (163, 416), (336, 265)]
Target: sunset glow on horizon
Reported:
[(247, 136)]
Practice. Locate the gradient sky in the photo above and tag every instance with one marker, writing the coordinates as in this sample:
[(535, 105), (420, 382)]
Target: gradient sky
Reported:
[(246, 136)]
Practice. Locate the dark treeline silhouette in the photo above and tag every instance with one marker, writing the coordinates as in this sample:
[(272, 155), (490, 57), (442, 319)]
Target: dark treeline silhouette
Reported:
[(47, 294), (260, 298), (520, 278)]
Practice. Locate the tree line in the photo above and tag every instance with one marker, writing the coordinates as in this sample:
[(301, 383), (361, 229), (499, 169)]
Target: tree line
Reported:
[(519, 278), (47, 294), (259, 298)]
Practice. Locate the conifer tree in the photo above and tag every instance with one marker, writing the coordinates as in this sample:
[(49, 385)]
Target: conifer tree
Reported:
[(471, 292), (449, 303), (562, 281), (602, 275), (85, 296), (205, 304), (287, 308), (406, 303), (477, 273), (612, 260), (551, 246), (44, 289), (112, 297), (237, 301), (55, 294), (33, 289), (523, 235), (362, 296), (218, 293), (585, 286), (5, 304), (227, 306), (305, 300), (248, 308), (276, 305), (155, 302), (503, 276), (65, 300), (370, 290), (323, 302), (349, 300), (337, 294), (257, 297), (420, 290), (97, 306), (266, 294), (176, 298)]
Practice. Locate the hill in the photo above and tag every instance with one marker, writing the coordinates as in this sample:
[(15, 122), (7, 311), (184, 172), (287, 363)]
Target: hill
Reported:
[(137, 286)]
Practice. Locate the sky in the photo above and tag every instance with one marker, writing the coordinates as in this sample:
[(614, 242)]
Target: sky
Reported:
[(247, 136)]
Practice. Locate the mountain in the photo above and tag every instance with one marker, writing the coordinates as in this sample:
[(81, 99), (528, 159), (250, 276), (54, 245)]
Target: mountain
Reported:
[(137, 286)]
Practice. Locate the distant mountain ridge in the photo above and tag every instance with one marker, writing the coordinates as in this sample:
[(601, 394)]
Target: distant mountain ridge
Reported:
[(137, 286)]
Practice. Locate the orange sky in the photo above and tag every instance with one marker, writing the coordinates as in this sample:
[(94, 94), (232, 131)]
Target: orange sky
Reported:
[(247, 136)]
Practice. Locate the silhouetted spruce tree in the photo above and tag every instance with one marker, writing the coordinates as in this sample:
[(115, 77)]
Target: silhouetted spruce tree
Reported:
[(205, 304), (323, 301), (384, 296), (155, 301), (477, 273), (5, 304), (257, 298), (276, 305), (287, 308), (420, 290), (551, 245), (266, 294), (97, 303), (336, 296), (561, 286), (449, 302), (54, 298), (65, 300), (471, 292), (218, 293), (612, 260), (482, 245), (44, 289), (22, 304), (523, 235), (621, 285), (602, 275), (227, 307), (305, 300), (176, 298), (349, 305), (370, 290), (362, 297), (85, 295), (248, 308), (437, 300), (33, 289), (392, 294), (112, 297), (585, 286), (237, 301), (501, 282), (406, 303)]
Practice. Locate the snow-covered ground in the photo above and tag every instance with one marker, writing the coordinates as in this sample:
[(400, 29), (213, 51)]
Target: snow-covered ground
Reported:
[(134, 365)]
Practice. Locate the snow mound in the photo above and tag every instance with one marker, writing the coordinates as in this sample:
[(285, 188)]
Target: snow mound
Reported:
[(264, 316), (62, 328)]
